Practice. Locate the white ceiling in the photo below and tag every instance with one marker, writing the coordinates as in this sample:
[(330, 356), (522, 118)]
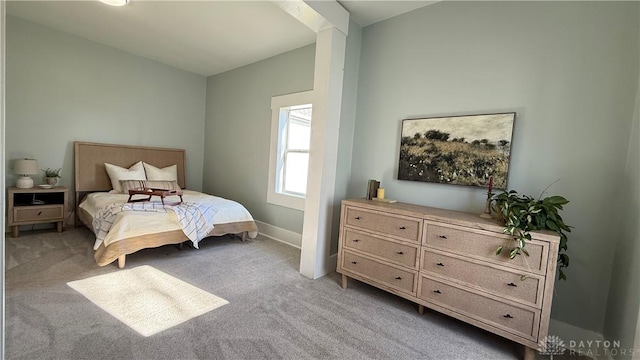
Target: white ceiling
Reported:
[(203, 37)]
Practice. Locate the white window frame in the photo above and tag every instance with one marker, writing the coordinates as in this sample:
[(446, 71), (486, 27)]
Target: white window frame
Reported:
[(294, 201)]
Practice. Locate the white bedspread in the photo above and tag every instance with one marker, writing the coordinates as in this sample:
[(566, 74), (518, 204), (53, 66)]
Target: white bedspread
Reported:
[(127, 224)]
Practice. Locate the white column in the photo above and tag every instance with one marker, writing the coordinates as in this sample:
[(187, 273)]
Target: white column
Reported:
[(315, 258)]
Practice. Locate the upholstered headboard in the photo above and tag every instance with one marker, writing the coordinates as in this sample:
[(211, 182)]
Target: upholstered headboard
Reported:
[(91, 175)]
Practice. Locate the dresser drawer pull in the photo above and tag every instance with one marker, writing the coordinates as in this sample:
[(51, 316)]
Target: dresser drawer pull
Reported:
[(354, 262), (437, 291), (402, 228), (508, 316), (39, 213), (400, 253), (357, 217), (442, 236), (512, 284), (398, 278), (355, 240), (440, 264)]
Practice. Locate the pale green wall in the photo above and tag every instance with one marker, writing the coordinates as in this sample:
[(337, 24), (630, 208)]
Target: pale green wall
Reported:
[(569, 70), (624, 294), (238, 127), (61, 88)]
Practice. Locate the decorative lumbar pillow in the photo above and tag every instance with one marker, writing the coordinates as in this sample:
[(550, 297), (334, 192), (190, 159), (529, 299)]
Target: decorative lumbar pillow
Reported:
[(169, 173), (127, 185), (117, 173), (165, 185)]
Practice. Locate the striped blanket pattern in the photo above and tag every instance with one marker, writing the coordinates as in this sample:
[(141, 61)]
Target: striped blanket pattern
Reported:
[(196, 220)]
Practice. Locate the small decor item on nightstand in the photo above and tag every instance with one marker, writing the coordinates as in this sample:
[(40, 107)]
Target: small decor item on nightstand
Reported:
[(51, 176), (25, 167)]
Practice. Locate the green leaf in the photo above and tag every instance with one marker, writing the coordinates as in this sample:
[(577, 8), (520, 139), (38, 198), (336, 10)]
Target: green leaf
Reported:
[(557, 200), (524, 277), (551, 225), (561, 275), (498, 250)]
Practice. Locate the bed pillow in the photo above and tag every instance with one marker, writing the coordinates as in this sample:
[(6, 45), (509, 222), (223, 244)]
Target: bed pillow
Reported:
[(137, 184), (169, 173), (127, 185), (117, 173), (165, 185)]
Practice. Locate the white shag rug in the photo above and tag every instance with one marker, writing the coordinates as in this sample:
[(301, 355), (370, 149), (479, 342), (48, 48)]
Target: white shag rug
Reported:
[(146, 299)]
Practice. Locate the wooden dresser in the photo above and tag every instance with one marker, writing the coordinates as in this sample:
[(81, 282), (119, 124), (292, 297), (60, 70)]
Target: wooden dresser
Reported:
[(446, 260)]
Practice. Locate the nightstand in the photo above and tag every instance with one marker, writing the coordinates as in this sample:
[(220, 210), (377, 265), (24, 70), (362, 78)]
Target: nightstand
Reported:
[(36, 206)]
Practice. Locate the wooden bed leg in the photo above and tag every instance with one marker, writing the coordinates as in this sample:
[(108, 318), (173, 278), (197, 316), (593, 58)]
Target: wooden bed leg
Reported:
[(244, 235), (121, 260)]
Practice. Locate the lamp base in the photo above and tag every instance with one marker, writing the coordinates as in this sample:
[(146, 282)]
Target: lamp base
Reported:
[(24, 182)]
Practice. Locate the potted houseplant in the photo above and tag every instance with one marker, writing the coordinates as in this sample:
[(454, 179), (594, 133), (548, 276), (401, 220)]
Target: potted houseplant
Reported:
[(51, 176), (523, 213)]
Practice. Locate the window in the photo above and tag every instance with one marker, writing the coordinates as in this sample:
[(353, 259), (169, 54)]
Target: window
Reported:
[(290, 140)]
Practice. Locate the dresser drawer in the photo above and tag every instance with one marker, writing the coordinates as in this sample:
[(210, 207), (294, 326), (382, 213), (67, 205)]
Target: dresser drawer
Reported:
[(400, 226), (401, 254), (520, 321), (388, 275), (496, 281), (483, 245), (37, 213)]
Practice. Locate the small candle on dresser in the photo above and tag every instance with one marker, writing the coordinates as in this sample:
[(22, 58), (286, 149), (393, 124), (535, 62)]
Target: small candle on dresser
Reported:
[(380, 193)]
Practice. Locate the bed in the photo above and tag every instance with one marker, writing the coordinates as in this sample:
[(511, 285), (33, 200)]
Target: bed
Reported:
[(94, 192)]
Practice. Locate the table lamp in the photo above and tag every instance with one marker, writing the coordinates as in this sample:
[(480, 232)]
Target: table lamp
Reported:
[(25, 167)]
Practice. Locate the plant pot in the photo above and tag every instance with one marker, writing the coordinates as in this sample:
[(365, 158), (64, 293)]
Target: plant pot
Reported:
[(53, 181)]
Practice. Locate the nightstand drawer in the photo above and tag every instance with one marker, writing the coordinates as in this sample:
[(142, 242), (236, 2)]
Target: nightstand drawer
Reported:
[(395, 225), (38, 213), (388, 275)]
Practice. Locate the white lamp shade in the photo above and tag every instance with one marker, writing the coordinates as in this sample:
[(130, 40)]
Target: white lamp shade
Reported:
[(26, 167)]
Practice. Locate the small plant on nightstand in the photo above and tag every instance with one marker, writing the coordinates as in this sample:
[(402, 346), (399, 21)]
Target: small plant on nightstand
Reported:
[(51, 176)]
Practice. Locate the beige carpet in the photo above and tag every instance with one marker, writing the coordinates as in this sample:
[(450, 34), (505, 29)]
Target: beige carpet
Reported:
[(146, 299)]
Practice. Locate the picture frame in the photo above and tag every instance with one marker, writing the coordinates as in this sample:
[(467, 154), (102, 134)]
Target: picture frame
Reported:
[(468, 150)]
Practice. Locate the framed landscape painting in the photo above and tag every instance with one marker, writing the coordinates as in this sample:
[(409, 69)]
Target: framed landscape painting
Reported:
[(460, 150)]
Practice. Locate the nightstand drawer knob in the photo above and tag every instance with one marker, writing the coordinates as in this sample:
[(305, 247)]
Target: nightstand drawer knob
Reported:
[(437, 291), (400, 253), (440, 264), (357, 217), (355, 240), (442, 236), (398, 278), (512, 284), (508, 316), (402, 228), (353, 262), (39, 213)]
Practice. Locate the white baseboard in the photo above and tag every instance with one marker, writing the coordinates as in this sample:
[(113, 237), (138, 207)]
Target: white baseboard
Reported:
[(584, 342), (294, 239), (279, 234)]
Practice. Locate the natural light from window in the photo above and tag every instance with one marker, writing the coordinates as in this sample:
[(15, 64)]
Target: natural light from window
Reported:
[(293, 161)]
